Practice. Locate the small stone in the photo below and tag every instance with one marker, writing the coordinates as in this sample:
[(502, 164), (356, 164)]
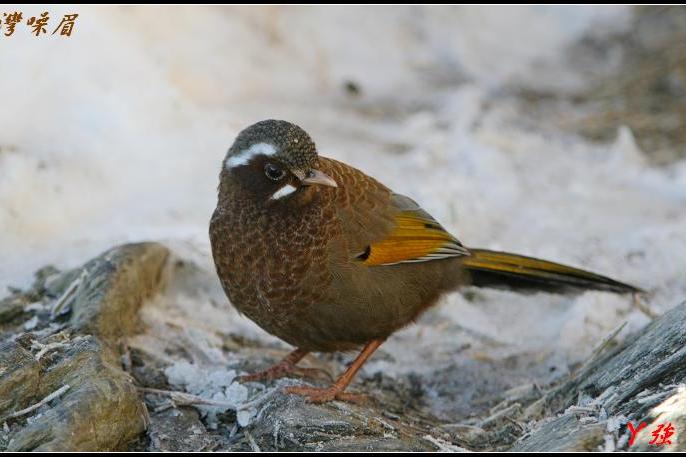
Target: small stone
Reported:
[(31, 323)]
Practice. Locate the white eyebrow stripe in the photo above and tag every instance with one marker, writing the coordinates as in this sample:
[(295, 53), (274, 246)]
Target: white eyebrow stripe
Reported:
[(284, 191), (246, 155)]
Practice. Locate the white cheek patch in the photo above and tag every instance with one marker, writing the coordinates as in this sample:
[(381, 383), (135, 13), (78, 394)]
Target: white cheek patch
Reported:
[(283, 192), (246, 155)]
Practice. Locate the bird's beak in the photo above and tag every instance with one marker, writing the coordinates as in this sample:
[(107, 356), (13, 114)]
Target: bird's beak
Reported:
[(319, 178)]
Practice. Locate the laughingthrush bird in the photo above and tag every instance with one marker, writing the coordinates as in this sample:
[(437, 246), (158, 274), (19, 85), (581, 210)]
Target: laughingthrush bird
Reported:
[(327, 258)]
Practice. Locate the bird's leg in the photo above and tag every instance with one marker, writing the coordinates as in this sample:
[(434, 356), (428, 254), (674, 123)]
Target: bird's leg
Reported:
[(287, 366), (337, 389)]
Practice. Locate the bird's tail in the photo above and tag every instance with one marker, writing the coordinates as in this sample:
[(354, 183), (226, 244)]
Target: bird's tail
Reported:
[(513, 271)]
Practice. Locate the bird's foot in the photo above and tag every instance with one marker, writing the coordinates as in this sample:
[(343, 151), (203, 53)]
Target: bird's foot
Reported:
[(318, 395), (283, 369)]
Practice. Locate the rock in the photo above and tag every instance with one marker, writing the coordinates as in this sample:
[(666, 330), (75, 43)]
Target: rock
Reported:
[(19, 375), (101, 410), (630, 382), (99, 407), (290, 424), (179, 430), (10, 308), (564, 434), (118, 283)]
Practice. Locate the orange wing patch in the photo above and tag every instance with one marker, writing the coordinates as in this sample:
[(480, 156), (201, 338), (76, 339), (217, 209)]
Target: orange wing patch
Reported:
[(416, 238)]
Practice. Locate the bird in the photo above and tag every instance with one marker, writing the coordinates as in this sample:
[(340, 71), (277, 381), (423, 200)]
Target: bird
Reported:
[(327, 258)]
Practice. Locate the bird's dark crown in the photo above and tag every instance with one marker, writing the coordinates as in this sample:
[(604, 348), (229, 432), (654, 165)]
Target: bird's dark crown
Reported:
[(284, 141)]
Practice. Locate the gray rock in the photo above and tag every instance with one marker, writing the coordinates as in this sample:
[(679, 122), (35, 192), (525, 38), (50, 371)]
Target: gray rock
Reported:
[(98, 408)]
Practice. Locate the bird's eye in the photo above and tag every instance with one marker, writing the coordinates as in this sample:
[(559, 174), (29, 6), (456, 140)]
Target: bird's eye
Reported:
[(273, 173)]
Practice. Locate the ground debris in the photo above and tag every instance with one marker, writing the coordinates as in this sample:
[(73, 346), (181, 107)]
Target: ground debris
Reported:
[(71, 369)]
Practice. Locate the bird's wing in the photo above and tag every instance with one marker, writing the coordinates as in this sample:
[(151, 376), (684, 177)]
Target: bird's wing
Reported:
[(380, 227), (413, 236)]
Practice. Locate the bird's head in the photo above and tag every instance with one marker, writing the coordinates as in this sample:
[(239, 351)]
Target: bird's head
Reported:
[(273, 160)]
